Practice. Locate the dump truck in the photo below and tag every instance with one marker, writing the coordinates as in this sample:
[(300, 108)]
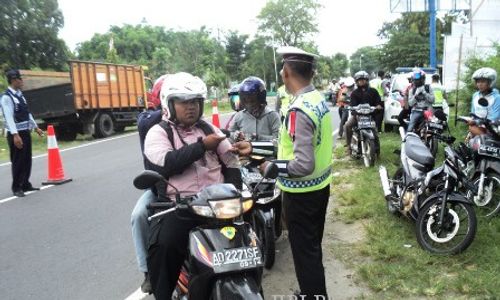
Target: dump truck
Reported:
[(92, 98)]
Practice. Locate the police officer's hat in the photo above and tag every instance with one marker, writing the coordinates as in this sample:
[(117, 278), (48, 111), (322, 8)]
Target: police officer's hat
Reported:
[(294, 54), (13, 74)]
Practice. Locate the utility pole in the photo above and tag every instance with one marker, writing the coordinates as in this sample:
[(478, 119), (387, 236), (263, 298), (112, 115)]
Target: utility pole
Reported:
[(432, 30)]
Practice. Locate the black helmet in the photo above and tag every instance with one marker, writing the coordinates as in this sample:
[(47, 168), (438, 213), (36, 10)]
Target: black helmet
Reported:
[(254, 86)]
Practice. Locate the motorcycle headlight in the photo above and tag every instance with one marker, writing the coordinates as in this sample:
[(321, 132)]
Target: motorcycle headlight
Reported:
[(204, 211), (227, 208)]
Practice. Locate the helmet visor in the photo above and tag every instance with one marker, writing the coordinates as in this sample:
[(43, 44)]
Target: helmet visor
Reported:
[(235, 102)]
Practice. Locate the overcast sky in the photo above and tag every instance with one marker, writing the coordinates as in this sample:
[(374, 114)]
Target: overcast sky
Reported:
[(344, 25)]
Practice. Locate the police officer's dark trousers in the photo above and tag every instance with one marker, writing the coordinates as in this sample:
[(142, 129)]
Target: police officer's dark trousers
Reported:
[(21, 161), (305, 220)]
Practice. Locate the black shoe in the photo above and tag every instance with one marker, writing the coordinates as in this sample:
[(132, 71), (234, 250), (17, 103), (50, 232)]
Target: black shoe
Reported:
[(19, 194), (146, 285), (30, 189)]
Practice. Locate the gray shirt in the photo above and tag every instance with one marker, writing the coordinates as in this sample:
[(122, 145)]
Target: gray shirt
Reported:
[(266, 126), (420, 98)]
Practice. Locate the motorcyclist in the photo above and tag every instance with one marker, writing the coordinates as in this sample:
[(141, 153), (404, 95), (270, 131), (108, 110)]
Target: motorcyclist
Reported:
[(386, 84), (139, 216), (343, 100), (256, 121), (191, 159), (363, 94), (234, 100), (485, 79), (421, 98)]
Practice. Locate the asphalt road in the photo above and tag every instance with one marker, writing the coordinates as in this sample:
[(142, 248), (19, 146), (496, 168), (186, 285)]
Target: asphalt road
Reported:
[(73, 241)]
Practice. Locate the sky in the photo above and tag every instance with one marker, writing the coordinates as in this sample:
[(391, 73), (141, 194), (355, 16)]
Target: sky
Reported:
[(344, 25)]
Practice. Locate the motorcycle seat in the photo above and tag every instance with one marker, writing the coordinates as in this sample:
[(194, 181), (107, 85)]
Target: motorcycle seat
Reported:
[(416, 150)]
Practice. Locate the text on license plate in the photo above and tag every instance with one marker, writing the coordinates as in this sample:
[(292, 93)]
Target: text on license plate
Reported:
[(245, 257)]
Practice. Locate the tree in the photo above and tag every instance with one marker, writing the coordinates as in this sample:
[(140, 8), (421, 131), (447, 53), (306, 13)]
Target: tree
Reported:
[(236, 50), (365, 58), (29, 35), (408, 40), (259, 61), (289, 22)]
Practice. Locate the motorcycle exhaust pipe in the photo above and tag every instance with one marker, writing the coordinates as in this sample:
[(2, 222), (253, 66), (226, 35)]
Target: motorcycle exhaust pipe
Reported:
[(384, 178)]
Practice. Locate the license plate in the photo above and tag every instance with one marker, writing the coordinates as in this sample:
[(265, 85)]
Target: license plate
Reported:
[(236, 259), (435, 125)]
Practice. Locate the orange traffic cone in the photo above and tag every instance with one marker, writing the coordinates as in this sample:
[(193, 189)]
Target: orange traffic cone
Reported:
[(56, 172), (215, 114)]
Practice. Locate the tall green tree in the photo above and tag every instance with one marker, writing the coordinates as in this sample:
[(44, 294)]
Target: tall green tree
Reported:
[(236, 52), (259, 61), (408, 40), (289, 22), (28, 36), (365, 58)]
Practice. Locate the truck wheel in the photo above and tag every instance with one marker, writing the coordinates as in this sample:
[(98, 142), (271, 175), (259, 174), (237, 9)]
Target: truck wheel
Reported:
[(104, 125)]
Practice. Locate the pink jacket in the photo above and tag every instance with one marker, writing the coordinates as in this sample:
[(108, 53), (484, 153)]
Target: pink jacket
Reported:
[(201, 173)]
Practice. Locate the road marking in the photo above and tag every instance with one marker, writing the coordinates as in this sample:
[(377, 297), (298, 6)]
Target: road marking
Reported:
[(80, 146), (28, 193), (137, 295)]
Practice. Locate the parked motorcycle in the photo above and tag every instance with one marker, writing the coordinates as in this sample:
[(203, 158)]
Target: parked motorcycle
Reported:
[(445, 218), (266, 213), (484, 164), (224, 260), (365, 143)]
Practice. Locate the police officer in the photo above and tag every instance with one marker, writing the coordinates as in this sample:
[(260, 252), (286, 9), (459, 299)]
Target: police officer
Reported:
[(439, 92), (19, 123), (304, 160)]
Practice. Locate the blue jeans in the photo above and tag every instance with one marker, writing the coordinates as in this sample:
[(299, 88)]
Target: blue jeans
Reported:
[(140, 229), (416, 117)]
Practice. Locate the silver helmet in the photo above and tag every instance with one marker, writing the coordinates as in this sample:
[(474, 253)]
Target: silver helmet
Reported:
[(361, 75), (486, 73)]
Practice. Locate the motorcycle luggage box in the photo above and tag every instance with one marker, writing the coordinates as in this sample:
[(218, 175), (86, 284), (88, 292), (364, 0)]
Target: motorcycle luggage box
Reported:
[(417, 151)]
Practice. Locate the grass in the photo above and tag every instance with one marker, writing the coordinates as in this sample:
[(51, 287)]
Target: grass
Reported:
[(389, 260)]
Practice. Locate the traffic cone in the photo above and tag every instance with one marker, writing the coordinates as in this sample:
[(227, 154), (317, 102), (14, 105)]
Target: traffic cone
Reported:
[(56, 172), (215, 114)]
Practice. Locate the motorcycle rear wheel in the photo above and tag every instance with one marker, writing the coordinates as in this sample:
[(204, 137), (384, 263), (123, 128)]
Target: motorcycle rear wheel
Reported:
[(455, 234)]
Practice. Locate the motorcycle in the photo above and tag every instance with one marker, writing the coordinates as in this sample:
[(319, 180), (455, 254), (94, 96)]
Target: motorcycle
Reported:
[(266, 214), (484, 164), (224, 257), (365, 142), (445, 219)]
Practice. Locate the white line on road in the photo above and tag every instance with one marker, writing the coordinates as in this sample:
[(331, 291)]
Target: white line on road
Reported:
[(137, 295), (14, 197)]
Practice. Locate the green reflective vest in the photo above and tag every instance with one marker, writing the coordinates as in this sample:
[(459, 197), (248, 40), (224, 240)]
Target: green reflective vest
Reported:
[(377, 84), (285, 101), (314, 106), (438, 94)]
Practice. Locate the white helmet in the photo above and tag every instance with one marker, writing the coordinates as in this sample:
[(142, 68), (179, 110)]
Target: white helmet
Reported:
[(181, 87), (361, 75), (486, 73), (349, 81)]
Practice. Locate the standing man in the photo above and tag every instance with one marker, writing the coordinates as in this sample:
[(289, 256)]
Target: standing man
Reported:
[(282, 101), (376, 83), (19, 123), (305, 162), (439, 93)]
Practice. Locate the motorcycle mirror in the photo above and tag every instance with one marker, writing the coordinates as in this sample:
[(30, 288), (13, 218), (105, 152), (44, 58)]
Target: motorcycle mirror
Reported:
[(440, 114), (483, 102), (271, 171), (147, 179)]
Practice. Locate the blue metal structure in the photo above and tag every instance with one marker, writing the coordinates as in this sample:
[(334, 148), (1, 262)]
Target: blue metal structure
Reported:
[(432, 35)]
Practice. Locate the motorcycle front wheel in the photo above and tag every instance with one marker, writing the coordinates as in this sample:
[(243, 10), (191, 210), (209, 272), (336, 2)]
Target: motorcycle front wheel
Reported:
[(453, 236), (489, 202)]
